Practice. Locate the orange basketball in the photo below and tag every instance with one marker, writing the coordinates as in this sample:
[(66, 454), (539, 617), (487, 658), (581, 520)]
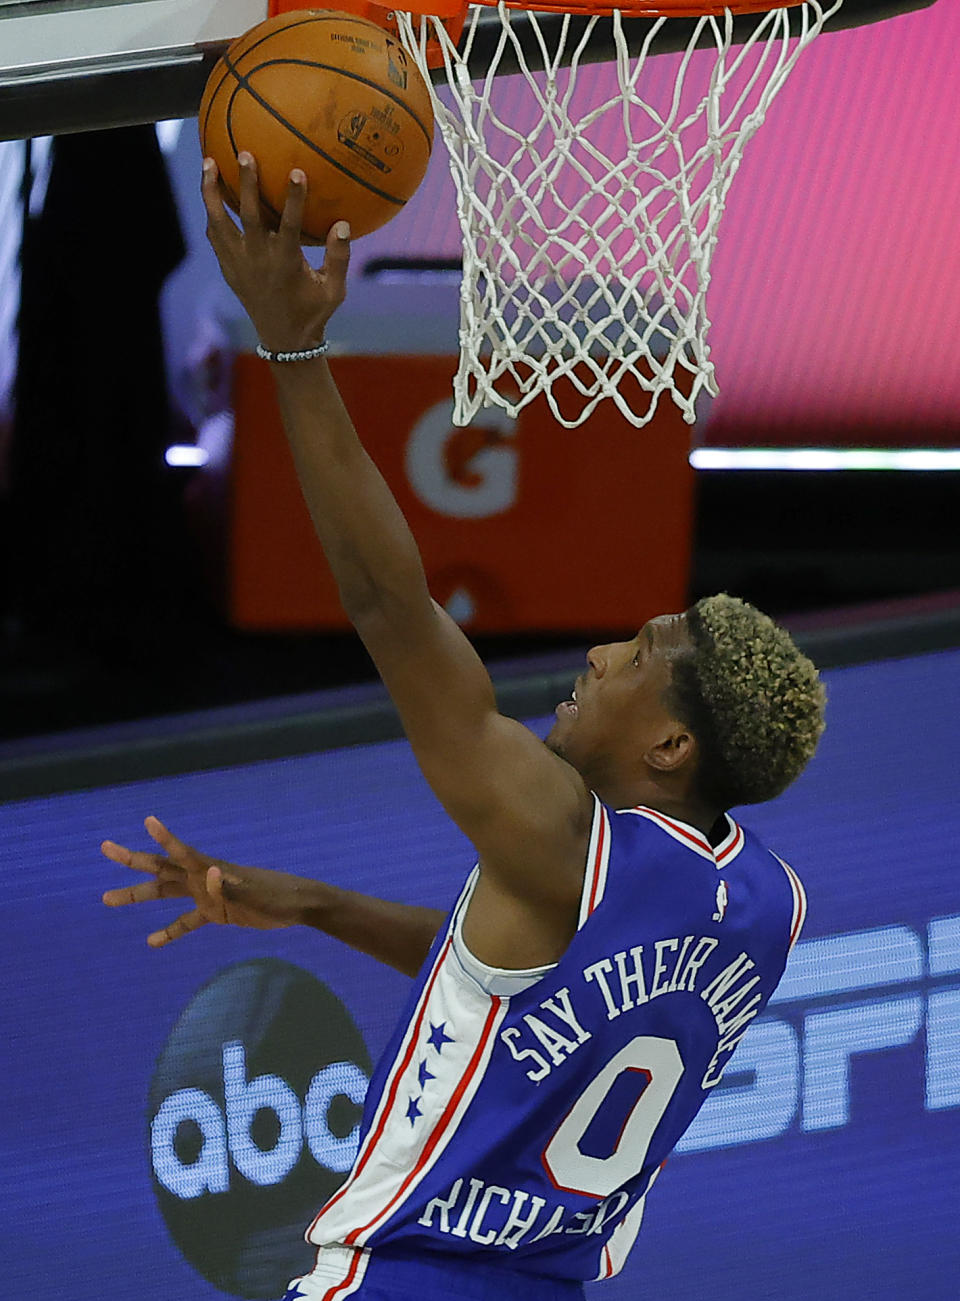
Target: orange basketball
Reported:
[(330, 93)]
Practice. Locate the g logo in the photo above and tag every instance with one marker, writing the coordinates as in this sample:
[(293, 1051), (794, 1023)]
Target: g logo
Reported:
[(254, 1116), (465, 473)]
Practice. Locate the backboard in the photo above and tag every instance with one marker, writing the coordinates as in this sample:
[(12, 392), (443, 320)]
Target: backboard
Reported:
[(68, 65), (74, 65)]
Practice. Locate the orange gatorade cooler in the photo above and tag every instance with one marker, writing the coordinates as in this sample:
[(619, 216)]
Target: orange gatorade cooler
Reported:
[(522, 525)]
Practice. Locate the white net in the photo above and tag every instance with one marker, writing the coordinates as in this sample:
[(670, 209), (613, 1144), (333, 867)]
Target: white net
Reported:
[(589, 205)]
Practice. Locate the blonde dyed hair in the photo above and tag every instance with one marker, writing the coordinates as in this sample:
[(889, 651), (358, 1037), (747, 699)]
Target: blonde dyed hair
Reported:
[(754, 701)]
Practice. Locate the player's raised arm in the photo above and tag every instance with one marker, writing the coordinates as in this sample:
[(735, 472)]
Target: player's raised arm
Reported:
[(525, 809)]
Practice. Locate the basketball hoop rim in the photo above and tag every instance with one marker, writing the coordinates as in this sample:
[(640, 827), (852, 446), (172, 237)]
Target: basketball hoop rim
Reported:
[(627, 8)]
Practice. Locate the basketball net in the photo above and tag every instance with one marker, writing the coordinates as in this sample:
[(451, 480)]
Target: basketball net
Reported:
[(589, 218)]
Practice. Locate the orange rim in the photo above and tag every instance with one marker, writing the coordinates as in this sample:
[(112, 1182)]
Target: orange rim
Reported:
[(450, 12), (639, 9)]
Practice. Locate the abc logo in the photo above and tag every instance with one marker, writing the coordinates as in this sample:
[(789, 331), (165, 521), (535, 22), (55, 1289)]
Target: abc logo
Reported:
[(254, 1112)]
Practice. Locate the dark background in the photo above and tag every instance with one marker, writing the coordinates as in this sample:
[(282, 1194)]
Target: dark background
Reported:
[(822, 542), (105, 613)]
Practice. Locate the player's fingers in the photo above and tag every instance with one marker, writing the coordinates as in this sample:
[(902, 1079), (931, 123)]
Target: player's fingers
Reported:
[(218, 904), (116, 853), (146, 892), (221, 231), (143, 893), (139, 861), (291, 219), (336, 259), (250, 218), (184, 925), (181, 854)]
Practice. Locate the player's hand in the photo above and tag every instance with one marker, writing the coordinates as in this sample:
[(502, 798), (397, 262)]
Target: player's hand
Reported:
[(221, 892), (288, 301)]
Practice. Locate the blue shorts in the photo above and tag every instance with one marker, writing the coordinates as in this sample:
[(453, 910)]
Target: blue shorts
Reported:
[(343, 1272)]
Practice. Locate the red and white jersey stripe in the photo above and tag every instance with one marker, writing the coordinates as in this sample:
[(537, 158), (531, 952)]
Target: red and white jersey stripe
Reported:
[(799, 900), (598, 859), (684, 834), (434, 1077), (338, 1274), (615, 1251)]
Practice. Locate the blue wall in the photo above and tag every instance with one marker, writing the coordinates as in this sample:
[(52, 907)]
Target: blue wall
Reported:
[(827, 1162)]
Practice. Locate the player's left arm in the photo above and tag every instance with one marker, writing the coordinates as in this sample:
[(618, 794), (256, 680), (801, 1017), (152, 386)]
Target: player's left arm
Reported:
[(228, 894), (526, 810)]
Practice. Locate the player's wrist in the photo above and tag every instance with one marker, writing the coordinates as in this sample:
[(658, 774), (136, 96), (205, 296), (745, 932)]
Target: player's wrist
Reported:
[(307, 352), (314, 901)]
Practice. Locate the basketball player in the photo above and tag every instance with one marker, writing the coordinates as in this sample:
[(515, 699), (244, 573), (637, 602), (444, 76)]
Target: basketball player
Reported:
[(621, 931)]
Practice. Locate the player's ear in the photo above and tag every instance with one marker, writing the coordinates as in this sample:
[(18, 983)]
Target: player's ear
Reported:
[(675, 749)]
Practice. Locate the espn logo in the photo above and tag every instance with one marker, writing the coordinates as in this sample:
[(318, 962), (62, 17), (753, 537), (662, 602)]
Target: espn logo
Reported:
[(842, 996)]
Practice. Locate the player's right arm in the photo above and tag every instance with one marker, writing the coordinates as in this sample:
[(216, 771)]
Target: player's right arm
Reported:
[(399, 935), (526, 810)]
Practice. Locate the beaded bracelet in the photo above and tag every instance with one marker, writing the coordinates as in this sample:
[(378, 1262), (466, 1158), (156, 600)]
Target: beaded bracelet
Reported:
[(305, 355)]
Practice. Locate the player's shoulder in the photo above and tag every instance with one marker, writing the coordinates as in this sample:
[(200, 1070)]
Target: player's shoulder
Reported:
[(652, 838), (772, 881), (657, 862), (769, 870), (651, 829), (798, 899)]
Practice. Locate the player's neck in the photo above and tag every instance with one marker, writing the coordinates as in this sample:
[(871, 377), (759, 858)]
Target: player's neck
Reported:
[(683, 807), (697, 816)]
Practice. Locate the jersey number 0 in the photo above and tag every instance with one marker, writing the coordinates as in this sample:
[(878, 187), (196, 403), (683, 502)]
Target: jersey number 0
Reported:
[(572, 1170)]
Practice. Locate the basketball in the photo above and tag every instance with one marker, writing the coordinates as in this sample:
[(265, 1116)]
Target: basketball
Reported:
[(332, 94)]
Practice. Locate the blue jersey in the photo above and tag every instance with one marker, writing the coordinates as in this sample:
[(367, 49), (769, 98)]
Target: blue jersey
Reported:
[(522, 1117)]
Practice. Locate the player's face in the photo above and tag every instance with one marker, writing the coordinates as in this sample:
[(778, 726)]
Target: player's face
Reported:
[(618, 710)]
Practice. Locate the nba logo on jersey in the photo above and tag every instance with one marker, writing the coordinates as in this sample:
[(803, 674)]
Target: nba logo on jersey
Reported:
[(722, 898)]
